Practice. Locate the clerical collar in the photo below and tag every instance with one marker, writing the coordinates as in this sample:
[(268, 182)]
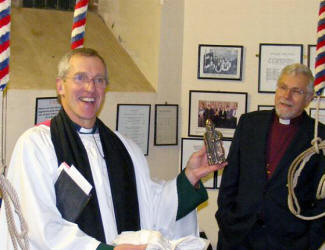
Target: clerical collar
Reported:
[(293, 121), (284, 121), (83, 130)]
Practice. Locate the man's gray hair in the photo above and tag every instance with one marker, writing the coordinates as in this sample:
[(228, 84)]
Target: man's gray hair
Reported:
[(64, 63), (296, 69)]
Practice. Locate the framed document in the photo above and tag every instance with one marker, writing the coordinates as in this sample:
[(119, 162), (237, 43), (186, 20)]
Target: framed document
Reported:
[(133, 121), (220, 62), (311, 58), (191, 145), (46, 108), (223, 108), (272, 59), (166, 124)]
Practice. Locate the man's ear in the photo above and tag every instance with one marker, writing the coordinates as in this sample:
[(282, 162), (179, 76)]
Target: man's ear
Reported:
[(59, 86)]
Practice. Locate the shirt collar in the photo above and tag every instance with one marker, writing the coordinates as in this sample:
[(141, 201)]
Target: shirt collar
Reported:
[(82, 130), (294, 121)]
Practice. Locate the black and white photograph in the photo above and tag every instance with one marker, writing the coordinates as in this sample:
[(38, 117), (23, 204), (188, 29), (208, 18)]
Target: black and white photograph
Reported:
[(222, 62), (272, 59), (223, 108)]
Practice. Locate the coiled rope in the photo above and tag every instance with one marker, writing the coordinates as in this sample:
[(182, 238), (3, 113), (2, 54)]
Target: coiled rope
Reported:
[(10, 198), (296, 168)]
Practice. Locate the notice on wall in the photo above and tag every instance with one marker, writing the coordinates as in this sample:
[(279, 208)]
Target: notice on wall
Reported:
[(133, 122), (46, 108)]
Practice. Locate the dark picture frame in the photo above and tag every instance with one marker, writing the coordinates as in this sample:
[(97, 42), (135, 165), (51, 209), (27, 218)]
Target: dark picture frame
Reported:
[(166, 125), (133, 121), (223, 108), (265, 107), (311, 57), (191, 145), (272, 59), (223, 62), (46, 108)]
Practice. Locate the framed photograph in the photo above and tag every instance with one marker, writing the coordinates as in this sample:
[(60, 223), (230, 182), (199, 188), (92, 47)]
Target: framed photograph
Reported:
[(311, 59), (265, 107), (166, 124), (223, 108), (321, 114), (133, 121), (191, 145), (46, 108), (272, 59), (222, 62)]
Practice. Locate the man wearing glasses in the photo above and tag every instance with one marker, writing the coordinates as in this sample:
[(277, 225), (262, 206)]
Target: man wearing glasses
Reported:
[(253, 213), (122, 195)]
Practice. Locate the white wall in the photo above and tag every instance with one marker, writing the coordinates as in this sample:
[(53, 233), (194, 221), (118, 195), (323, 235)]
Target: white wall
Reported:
[(245, 23), (184, 24)]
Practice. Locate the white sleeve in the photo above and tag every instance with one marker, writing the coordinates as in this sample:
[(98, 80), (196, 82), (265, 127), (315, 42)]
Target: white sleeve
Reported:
[(158, 200), (32, 172)]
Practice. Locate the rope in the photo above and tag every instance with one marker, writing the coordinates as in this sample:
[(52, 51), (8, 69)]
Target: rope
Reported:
[(296, 168), (79, 24), (10, 196)]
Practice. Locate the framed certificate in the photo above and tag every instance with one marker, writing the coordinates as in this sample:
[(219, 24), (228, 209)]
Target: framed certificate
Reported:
[(166, 124), (272, 59), (133, 121)]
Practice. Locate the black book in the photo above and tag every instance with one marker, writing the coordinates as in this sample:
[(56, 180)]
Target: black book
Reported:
[(70, 198)]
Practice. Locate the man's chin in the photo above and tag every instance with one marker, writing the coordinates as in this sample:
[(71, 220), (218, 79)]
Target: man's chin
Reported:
[(284, 114)]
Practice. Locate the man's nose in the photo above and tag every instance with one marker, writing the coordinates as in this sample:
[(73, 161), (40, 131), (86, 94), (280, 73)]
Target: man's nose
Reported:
[(90, 85)]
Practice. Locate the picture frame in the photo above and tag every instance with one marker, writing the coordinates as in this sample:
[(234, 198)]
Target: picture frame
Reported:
[(311, 58), (226, 145), (321, 115), (46, 108), (166, 125), (191, 145), (223, 62), (272, 59), (223, 108), (265, 107), (133, 121)]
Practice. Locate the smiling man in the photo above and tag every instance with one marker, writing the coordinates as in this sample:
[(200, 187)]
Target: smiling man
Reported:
[(252, 205), (122, 198)]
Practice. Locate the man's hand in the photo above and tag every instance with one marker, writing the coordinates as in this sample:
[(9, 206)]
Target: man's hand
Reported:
[(130, 247), (197, 166)]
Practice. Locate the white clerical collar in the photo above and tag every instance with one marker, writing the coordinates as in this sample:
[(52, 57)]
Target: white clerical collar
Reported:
[(87, 130), (284, 121)]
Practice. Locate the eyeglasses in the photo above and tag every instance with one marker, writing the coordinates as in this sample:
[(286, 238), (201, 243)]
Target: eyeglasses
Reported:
[(294, 91), (82, 79)]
